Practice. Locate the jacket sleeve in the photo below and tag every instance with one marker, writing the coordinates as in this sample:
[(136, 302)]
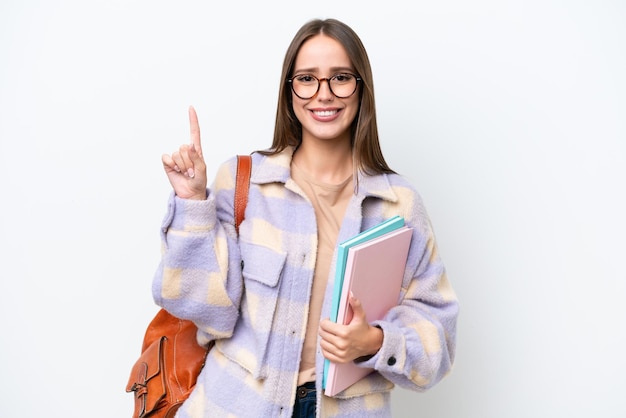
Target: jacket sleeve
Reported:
[(199, 276), (420, 333)]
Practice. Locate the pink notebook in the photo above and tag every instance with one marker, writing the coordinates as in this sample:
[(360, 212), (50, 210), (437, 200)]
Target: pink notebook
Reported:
[(374, 272)]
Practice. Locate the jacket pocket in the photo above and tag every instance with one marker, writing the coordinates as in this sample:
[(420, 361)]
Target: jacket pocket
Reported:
[(261, 269)]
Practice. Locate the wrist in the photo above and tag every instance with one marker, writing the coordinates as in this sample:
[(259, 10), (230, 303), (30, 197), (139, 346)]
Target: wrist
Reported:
[(376, 342), (378, 336), (198, 197), (193, 196)]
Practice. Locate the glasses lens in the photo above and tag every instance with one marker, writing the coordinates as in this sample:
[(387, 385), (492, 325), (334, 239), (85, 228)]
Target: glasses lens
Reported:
[(305, 86), (343, 85)]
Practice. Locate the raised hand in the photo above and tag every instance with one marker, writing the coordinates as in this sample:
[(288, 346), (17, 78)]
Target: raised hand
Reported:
[(185, 168)]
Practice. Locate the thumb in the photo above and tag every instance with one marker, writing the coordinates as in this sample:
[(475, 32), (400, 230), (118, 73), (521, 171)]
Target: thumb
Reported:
[(358, 313)]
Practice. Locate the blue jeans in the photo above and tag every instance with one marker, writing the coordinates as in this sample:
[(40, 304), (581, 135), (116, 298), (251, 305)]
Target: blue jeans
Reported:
[(304, 406)]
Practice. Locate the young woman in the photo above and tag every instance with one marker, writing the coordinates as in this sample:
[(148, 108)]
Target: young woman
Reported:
[(264, 294)]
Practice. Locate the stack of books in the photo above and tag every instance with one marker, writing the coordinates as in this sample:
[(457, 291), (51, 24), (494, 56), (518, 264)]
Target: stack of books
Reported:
[(370, 266)]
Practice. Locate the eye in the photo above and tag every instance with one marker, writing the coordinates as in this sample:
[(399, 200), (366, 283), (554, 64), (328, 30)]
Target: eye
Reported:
[(305, 79), (343, 77)]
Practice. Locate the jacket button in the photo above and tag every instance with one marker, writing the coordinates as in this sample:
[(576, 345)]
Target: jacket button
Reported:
[(241, 264), (391, 361)]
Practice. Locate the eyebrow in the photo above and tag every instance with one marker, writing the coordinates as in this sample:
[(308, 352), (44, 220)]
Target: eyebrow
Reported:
[(333, 70)]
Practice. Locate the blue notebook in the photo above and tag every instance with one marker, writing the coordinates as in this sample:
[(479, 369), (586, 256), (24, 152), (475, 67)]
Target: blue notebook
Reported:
[(382, 228)]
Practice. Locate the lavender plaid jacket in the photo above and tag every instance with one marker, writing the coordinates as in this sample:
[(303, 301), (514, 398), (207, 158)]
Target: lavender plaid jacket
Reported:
[(250, 294)]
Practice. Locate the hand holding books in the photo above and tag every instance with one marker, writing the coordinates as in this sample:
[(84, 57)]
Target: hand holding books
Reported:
[(341, 344)]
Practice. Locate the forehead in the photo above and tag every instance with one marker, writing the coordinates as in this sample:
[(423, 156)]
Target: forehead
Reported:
[(321, 52)]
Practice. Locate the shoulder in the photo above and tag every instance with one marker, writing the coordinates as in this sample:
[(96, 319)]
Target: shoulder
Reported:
[(405, 200), (393, 188), (266, 168), (404, 189)]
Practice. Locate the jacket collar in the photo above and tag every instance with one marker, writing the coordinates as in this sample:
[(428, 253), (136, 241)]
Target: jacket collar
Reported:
[(277, 169)]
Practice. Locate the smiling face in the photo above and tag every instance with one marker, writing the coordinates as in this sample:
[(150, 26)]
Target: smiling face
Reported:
[(324, 116)]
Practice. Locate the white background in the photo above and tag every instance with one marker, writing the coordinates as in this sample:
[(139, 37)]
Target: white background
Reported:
[(507, 115)]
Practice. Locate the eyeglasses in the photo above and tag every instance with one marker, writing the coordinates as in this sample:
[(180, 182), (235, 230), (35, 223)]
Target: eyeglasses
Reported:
[(306, 86)]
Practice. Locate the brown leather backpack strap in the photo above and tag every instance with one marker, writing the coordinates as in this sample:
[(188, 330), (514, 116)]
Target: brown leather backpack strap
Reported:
[(242, 185)]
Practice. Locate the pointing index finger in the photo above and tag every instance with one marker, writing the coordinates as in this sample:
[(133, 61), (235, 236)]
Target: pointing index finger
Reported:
[(194, 128)]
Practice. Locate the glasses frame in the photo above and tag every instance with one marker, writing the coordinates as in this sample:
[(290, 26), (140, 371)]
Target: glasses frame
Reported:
[(327, 80)]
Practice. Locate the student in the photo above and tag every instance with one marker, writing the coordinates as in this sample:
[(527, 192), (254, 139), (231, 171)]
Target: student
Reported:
[(264, 294)]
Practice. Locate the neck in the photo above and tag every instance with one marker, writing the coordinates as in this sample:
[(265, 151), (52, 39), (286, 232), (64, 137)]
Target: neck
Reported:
[(327, 161)]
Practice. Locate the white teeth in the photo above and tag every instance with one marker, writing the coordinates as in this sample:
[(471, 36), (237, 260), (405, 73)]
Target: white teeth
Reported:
[(325, 112)]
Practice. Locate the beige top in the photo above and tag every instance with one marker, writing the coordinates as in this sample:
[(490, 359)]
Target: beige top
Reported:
[(330, 202)]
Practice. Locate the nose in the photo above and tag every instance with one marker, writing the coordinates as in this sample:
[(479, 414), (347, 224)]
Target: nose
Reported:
[(324, 92)]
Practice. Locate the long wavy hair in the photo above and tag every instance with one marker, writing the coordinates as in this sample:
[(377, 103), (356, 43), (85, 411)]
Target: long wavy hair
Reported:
[(366, 150)]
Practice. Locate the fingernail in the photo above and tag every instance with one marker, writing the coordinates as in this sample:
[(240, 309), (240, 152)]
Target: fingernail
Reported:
[(177, 168), (190, 172)]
